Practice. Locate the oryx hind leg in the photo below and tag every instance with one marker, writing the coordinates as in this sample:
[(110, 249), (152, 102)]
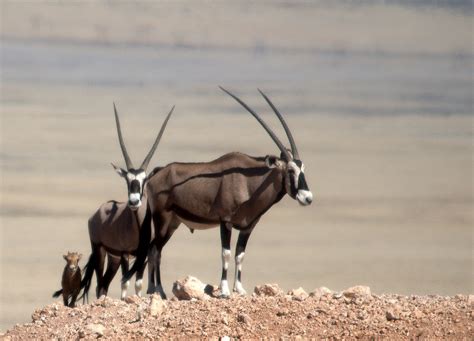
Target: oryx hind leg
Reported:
[(226, 234), (244, 236), (113, 263), (151, 269), (164, 227), (99, 270)]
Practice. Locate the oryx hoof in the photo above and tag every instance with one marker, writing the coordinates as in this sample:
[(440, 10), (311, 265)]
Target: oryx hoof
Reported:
[(162, 295), (240, 292), (224, 296)]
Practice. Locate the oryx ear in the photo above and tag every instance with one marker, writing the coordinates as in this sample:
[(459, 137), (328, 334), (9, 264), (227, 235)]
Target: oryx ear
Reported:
[(79, 257), (119, 170), (272, 161)]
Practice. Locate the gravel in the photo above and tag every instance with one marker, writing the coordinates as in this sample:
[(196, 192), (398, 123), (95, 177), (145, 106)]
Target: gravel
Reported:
[(271, 313)]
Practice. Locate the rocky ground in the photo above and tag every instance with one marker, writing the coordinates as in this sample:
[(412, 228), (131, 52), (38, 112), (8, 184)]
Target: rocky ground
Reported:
[(269, 312)]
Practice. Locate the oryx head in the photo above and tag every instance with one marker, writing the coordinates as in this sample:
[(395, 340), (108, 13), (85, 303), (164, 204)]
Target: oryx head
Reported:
[(136, 177), (72, 260), (295, 181)]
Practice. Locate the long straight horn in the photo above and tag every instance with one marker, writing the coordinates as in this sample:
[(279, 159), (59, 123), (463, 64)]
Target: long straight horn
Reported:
[(128, 163), (158, 138), (264, 125), (294, 150)]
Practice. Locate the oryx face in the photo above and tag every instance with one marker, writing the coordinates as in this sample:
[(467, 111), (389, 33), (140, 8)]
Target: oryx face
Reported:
[(135, 179), (295, 181), (296, 185)]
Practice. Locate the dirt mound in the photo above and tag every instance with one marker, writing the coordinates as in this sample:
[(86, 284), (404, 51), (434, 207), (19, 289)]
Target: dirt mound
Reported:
[(353, 313)]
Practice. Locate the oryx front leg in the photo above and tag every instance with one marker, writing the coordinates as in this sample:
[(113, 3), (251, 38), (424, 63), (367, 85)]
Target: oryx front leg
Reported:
[(239, 258), (226, 233), (151, 269), (124, 263)]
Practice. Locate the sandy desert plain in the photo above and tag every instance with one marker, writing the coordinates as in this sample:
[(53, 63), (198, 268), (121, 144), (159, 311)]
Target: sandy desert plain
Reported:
[(379, 99)]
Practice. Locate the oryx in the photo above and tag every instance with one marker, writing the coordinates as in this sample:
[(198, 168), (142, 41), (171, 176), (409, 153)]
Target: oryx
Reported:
[(118, 228), (233, 191)]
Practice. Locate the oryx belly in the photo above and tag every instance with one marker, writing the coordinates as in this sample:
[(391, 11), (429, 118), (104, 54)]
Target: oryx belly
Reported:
[(197, 225)]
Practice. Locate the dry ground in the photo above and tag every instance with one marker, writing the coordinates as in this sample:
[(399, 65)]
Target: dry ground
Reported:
[(331, 315)]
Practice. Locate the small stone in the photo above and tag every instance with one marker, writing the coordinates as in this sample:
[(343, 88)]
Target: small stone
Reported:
[(321, 291), (283, 312), (157, 305), (268, 290), (298, 294), (470, 300), (225, 321), (357, 292), (104, 301), (244, 318), (417, 314), (98, 328), (393, 314), (189, 288)]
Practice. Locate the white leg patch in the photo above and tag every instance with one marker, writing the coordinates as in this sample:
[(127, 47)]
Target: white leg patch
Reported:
[(138, 287), (124, 289), (238, 288), (225, 258), (239, 259), (224, 288)]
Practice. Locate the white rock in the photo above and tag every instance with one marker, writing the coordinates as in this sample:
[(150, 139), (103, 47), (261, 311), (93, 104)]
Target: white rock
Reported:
[(470, 300), (96, 328), (321, 291), (268, 290), (299, 294), (157, 305), (357, 291), (189, 288)]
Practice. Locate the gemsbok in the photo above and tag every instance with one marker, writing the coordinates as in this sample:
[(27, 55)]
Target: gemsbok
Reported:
[(233, 191), (121, 229)]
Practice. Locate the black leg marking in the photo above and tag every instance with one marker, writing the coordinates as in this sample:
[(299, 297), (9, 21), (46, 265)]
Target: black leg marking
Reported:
[(226, 234), (239, 258)]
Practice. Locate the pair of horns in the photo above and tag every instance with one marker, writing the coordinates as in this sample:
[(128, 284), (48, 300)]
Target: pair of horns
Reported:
[(145, 162), (280, 145)]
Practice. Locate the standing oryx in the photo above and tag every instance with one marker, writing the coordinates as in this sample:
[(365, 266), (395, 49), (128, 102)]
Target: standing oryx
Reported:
[(233, 191), (121, 229)]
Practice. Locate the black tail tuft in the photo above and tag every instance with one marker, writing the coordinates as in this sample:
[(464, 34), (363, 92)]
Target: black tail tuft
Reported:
[(57, 293), (87, 279)]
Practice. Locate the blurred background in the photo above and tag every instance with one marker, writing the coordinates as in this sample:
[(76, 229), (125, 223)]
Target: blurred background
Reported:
[(379, 96)]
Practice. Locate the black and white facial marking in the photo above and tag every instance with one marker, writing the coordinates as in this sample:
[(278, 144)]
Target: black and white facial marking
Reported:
[(135, 179), (298, 188)]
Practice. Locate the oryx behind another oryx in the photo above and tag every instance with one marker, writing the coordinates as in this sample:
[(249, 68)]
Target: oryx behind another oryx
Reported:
[(121, 229), (233, 191)]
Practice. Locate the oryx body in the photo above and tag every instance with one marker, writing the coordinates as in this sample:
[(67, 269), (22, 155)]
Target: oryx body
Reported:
[(233, 191), (121, 229), (115, 230)]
